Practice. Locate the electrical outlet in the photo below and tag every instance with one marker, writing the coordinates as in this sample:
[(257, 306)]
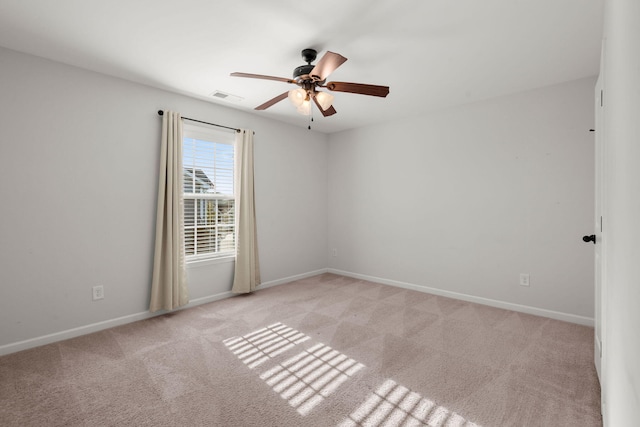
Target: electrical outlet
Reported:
[(334, 252), (98, 292), (524, 279)]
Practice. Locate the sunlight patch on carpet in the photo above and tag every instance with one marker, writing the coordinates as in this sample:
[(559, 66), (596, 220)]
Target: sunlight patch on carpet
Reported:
[(393, 405), (259, 346), (308, 378)]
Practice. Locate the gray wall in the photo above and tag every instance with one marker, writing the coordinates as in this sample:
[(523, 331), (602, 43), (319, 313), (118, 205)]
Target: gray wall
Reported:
[(466, 199), (78, 182), (459, 201), (621, 231)]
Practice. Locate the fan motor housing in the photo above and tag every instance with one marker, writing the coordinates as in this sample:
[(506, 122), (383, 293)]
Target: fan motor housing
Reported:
[(301, 72)]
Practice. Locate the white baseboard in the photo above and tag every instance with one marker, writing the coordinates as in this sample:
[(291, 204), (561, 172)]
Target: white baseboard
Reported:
[(291, 278), (99, 326), (106, 324), (581, 320)]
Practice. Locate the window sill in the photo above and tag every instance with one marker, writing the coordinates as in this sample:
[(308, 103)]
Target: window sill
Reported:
[(209, 261)]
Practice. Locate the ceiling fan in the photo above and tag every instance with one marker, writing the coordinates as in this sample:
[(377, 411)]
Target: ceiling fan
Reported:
[(310, 78)]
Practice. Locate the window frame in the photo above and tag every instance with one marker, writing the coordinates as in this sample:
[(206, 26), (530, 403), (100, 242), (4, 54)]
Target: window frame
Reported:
[(215, 136)]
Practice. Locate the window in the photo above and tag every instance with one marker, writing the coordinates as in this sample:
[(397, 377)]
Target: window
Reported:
[(209, 203)]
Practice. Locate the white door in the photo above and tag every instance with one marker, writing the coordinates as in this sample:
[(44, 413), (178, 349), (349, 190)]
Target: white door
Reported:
[(598, 226)]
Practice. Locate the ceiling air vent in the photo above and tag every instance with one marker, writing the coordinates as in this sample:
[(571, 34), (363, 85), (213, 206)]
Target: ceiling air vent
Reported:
[(223, 96)]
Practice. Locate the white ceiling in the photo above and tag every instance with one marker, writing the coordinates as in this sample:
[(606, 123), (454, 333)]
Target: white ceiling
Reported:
[(432, 53)]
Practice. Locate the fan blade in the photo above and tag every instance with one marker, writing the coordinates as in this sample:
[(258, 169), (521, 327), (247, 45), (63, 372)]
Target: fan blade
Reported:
[(362, 89), (260, 76), (270, 102), (328, 112), (327, 65), (359, 88)]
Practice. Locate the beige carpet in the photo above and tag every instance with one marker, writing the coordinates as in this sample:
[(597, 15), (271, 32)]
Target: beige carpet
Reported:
[(323, 351)]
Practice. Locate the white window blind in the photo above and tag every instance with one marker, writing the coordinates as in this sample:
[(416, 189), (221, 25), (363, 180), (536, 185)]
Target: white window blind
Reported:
[(209, 203)]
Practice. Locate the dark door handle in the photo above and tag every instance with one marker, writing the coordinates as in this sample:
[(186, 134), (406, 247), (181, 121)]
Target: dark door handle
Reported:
[(591, 238)]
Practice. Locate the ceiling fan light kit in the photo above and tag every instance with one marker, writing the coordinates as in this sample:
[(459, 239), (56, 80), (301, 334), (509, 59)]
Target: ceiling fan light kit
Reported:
[(324, 99), (311, 77), (298, 96), (301, 99)]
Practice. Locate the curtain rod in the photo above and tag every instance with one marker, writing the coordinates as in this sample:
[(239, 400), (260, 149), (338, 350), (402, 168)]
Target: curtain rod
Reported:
[(161, 113)]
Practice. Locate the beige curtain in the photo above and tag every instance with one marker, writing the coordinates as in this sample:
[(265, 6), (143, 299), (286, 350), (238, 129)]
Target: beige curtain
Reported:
[(247, 270), (169, 283)]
